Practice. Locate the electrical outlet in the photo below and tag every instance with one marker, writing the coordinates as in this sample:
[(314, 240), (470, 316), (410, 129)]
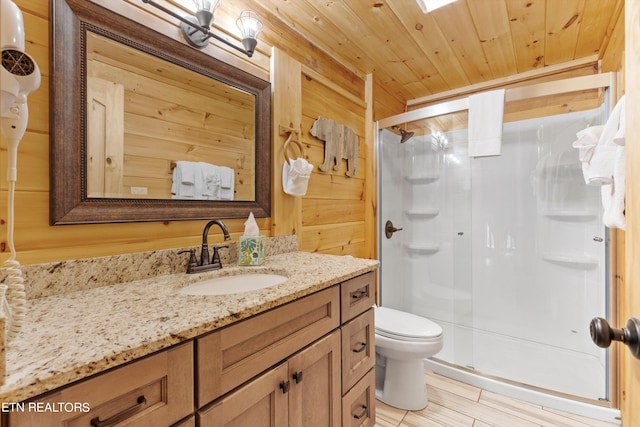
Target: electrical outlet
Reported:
[(138, 190)]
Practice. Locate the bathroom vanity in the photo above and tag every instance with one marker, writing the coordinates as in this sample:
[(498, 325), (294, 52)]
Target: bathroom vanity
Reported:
[(300, 353)]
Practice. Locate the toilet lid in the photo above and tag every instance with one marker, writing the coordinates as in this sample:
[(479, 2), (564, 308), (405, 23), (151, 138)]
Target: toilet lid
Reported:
[(390, 322)]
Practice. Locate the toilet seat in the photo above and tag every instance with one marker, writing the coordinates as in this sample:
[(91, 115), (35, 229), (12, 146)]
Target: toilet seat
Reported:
[(404, 326)]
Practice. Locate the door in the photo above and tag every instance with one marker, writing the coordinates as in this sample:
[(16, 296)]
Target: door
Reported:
[(260, 403), (630, 298), (315, 392)]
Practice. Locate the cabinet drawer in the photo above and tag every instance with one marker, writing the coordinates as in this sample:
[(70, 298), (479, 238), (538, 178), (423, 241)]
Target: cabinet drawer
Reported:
[(230, 356), (157, 390), (358, 295), (358, 349), (359, 404)]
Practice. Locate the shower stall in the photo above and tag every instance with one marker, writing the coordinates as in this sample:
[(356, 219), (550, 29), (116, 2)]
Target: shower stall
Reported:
[(507, 253)]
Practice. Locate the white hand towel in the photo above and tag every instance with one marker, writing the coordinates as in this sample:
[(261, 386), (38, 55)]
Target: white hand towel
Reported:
[(227, 182), (486, 112), (586, 143), (295, 177), (184, 179), (187, 172), (227, 176)]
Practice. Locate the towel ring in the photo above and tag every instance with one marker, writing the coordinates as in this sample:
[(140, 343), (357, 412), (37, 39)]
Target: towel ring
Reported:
[(287, 145)]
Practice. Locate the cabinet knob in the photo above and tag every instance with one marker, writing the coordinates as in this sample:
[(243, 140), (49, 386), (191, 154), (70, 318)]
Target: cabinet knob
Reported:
[(360, 348), (297, 377), (141, 403), (362, 413), (603, 334), (285, 386)]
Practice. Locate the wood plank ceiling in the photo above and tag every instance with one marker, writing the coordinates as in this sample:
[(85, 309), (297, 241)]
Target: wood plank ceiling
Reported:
[(467, 42)]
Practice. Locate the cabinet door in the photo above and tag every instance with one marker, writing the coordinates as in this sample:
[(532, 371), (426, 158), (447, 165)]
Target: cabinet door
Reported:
[(153, 391), (261, 403), (315, 397)]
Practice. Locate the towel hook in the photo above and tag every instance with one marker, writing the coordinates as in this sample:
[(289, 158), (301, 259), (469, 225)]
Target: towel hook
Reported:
[(289, 140)]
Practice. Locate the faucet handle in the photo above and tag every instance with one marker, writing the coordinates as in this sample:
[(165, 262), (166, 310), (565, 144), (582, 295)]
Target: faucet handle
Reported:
[(193, 261), (215, 259)]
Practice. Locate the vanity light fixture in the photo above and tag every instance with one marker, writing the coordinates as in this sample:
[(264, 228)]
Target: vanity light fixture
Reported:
[(195, 29)]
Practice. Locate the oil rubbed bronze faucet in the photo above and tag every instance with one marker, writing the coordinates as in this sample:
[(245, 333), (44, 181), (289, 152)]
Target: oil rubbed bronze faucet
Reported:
[(205, 263)]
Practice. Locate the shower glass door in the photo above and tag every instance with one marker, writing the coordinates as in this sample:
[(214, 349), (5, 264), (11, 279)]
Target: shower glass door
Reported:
[(507, 253)]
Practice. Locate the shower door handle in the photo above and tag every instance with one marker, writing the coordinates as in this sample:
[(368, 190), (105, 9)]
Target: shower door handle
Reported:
[(602, 334), (389, 229)]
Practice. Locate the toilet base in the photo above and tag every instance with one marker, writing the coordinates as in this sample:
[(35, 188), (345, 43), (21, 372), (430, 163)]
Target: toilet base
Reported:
[(404, 385)]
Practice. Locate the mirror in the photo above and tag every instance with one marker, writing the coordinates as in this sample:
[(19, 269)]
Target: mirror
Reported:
[(145, 128)]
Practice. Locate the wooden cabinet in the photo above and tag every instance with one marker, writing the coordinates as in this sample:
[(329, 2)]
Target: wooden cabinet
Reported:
[(304, 364), (230, 356), (261, 402), (314, 396), (358, 351), (154, 391), (303, 391), (357, 295), (329, 383), (359, 403)]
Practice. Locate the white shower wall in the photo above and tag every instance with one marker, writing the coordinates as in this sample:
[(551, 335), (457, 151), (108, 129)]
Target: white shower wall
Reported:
[(506, 253)]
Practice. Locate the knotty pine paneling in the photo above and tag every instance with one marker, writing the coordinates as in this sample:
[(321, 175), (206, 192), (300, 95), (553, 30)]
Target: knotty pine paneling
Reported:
[(333, 213), (36, 241)]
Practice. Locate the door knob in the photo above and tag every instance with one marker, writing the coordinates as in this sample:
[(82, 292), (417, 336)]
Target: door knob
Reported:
[(602, 334), (389, 229)]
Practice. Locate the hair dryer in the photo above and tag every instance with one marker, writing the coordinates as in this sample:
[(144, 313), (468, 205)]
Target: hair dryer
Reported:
[(20, 76)]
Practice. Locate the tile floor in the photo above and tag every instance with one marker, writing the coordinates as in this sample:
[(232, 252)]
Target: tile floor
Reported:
[(455, 404)]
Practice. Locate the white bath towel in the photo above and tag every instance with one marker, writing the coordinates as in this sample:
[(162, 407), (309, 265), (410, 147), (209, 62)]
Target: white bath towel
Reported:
[(295, 177), (218, 181), (203, 181), (486, 112), (619, 138), (613, 194), (599, 169), (212, 186)]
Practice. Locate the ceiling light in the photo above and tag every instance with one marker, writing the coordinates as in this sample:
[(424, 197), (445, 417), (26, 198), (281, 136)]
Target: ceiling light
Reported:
[(431, 5), (195, 29)]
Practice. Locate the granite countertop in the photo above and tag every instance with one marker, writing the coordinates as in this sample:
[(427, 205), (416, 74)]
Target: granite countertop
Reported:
[(69, 337)]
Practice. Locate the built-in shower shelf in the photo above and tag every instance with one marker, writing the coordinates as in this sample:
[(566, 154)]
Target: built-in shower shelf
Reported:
[(423, 248), (423, 178), (422, 213), (574, 261), (572, 214)]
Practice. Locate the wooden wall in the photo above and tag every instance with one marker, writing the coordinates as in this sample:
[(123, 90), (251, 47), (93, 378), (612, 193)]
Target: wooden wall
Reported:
[(332, 219)]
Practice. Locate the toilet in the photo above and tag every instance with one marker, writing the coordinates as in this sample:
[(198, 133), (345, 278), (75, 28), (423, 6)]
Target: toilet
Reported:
[(403, 341)]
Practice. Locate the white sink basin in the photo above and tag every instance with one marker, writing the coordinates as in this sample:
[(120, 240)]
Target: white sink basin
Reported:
[(234, 284)]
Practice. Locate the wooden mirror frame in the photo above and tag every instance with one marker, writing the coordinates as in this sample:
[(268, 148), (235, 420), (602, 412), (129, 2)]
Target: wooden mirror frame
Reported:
[(69, 204)]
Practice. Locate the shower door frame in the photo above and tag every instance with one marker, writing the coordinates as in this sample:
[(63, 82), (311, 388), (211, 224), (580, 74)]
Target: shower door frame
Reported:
[(607, 81)]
